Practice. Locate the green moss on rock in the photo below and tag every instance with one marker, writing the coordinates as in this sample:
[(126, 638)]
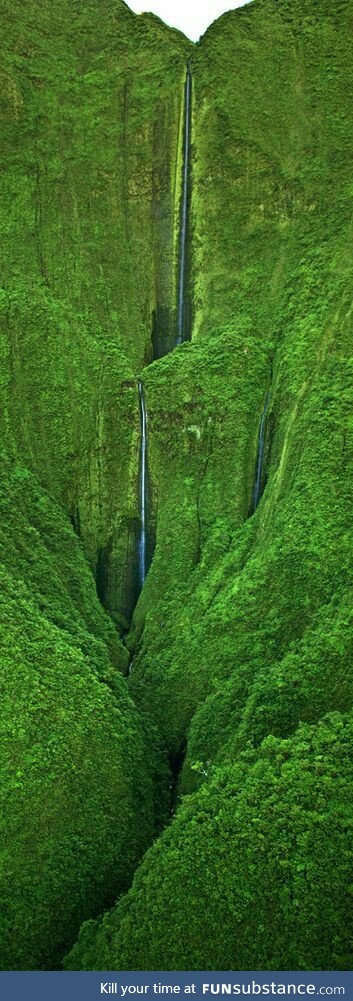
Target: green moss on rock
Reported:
[(256, 866), (242, 634)]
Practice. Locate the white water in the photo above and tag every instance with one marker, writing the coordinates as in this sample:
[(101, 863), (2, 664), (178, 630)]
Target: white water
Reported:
[(184, 208), (260, 455), (142, 487)]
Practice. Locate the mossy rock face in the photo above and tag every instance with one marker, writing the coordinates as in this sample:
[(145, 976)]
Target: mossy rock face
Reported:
[(267, 836), (227, 595), (77, 762), (243, 628), (92, 141), (242, 636), (89, 242)]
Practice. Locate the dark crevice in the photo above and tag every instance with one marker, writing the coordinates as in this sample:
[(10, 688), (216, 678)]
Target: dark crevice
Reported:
[(117, 586), (75, 522), (260, 471), (172, 325), (163, 335), (264, 445), (102, 573), (176, 761)]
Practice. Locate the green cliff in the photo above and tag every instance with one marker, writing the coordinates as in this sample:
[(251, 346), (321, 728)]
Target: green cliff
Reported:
[(88, 245), (89, 254), (241, 638)]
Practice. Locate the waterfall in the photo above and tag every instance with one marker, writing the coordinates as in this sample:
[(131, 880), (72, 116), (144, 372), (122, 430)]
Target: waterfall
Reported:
[(181, 332), (142, 562), (260, 454)]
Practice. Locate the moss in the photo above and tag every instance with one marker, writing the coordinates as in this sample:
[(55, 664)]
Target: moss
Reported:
[(262, 852), (242, 633), (272, 286), (243, 628), (78, 761), (88, 227), (84, 101)]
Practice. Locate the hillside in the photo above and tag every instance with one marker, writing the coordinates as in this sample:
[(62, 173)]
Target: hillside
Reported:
[(217, 703), (81, 796)]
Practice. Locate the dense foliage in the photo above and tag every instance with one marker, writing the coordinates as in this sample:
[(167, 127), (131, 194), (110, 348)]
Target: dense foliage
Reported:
[(77, 762), (254, 873), (244, 627), (81, 794), (242, 636), (88, 239)]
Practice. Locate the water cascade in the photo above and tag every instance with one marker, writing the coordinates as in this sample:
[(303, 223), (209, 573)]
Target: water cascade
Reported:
[(260, 455), (142, 546), (182, 333)]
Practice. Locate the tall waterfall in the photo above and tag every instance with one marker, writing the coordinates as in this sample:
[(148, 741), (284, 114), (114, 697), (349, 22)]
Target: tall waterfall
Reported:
[(181, 332), (142, 561), (260, 454)]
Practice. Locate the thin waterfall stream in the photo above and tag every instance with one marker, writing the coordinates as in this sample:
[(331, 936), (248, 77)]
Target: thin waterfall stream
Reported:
[(260, 455), (182, 333)]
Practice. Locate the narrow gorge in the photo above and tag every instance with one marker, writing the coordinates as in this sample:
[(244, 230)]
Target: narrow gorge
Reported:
[(176, 225)]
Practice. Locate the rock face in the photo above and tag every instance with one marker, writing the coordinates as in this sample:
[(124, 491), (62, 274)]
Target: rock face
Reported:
[(249, 865), (241, 637), (88, 251)]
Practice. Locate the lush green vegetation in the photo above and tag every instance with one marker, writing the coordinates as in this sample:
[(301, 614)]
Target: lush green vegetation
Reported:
[(77, 761), (83, 179), (242, 636), (89, 244), (254, 872)]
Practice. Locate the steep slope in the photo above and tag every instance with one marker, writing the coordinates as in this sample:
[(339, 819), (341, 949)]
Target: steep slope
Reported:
[(252, 874), (87, 233), (244, 628), (291, 332), (91, 154), (242, 636), (78, 764)]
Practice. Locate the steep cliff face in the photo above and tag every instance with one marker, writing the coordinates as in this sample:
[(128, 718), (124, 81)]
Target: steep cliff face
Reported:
[(88, 254), (242, 634), (92, 148), (243, 628), (249, 873), (272, 244), (77, 762)]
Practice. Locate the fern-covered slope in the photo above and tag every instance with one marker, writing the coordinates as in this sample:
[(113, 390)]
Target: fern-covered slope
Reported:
[(91, 147), (85, 89), (242, 635), (244, 630)]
